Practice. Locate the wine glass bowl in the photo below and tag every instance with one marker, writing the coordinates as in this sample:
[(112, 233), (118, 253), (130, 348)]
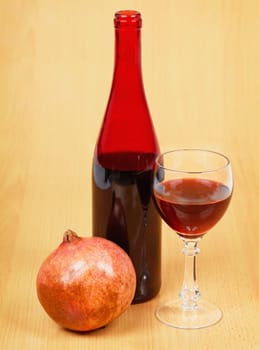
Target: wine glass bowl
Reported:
[(192, 190)]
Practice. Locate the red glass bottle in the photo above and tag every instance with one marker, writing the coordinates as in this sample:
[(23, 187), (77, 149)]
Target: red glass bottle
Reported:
[(123, 206)]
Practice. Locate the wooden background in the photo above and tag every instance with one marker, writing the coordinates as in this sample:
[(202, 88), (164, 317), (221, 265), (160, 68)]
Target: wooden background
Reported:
[(201, 73)]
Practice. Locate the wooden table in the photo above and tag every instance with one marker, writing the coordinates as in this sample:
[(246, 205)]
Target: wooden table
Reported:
[(201, 72)]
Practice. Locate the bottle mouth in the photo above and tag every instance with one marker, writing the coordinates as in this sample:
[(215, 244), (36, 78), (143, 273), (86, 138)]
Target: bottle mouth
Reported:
[(127, 18)]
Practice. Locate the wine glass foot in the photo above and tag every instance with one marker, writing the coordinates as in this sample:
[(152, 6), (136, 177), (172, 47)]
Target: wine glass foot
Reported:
[(172, 314)]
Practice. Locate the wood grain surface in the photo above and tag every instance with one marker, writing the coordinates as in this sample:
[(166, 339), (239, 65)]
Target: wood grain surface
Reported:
[(201, 72)]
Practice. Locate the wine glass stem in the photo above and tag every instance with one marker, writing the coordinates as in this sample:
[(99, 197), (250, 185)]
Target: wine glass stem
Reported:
[(190, 293)]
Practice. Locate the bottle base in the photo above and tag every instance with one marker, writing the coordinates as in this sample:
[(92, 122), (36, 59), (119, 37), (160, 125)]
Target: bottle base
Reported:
[(142, 298)]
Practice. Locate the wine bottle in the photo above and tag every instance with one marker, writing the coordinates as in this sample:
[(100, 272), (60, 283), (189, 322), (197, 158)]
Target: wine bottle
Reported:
[(123, 205)]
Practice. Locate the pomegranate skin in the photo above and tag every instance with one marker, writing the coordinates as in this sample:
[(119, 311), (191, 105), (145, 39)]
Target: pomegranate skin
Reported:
[(86, 282)]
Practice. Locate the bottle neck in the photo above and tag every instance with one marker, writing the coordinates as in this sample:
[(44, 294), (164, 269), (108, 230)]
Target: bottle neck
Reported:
[(127, 70), (127, 126)]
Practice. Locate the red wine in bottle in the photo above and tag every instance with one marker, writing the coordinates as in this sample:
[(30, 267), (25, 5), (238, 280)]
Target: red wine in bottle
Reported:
[(191, 206), (123, 207)]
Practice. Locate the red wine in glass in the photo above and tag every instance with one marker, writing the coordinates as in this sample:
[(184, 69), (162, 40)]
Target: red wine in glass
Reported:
[(192, 189), (192, 206)]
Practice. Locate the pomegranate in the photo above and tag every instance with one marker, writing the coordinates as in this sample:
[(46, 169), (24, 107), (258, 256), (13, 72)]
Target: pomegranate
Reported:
[(86, 282)]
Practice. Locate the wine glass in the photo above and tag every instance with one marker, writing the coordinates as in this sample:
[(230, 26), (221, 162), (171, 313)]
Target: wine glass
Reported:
[(192, 190)]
